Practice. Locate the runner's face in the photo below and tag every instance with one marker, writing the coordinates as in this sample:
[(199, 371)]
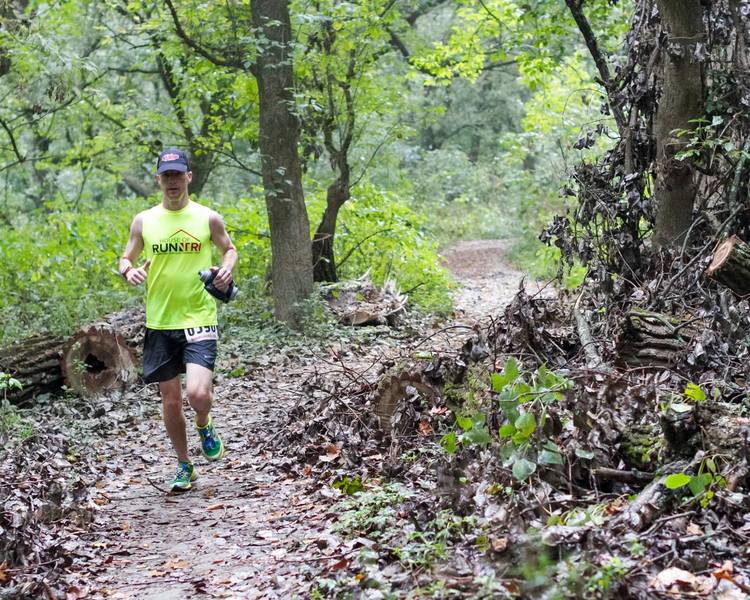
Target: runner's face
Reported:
[(174, 185)]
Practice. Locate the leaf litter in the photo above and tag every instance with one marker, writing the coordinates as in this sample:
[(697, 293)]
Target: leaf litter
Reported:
[(339, 481)]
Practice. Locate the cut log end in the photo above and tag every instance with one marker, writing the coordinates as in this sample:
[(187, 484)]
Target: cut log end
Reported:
[(730, 266), (97, 359), (721, 254)]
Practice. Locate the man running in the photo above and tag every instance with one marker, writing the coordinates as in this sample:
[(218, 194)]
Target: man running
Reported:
[(181, 324)]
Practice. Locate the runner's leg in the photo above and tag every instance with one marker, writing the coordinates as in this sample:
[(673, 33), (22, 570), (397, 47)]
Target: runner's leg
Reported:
[(174, 418), (199, 383)]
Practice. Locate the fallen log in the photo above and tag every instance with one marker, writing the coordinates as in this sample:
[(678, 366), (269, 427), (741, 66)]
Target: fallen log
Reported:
[(730, 265), (653, 339), (35, 362), (98, 357)]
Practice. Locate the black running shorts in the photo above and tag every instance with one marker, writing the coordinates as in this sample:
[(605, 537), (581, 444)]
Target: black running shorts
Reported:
[(167, 351)]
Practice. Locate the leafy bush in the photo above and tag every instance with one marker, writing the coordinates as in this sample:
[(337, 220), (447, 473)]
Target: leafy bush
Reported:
[(60, 269), (378, 233)]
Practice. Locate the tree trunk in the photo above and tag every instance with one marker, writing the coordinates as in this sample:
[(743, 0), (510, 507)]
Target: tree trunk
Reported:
[(681, 100), (291, 264), (731, 265), (324, 259)]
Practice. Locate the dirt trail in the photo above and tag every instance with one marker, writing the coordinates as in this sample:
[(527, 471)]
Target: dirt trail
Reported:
[(246, 530)]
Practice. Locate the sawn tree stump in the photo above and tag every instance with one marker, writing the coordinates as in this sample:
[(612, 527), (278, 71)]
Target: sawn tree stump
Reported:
[(731, 265)]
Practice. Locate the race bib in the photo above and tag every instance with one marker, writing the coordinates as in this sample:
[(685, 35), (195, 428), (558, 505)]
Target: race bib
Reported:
[(200, 334)]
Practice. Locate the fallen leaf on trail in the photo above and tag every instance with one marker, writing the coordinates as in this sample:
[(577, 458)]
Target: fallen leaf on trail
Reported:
[(215, 506), (674, 580), (424, 428), (693, 529), (75, 593), (179, 563), (438, 410), (616, 506), (512, 587), (307, 470), (125, 525), (341, 564), (499, 544), (99, 500), (726, 571), (4, 573), (332, 453), (156, 573), (674, 575)]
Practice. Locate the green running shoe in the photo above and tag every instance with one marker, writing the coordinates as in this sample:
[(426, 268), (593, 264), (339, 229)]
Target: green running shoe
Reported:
[(183, 479), (213, 448)]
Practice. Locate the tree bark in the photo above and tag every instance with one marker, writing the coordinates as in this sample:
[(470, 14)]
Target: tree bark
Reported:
[(653, 339), (681, 101), (291, 264), (324, 258), (35, 362)]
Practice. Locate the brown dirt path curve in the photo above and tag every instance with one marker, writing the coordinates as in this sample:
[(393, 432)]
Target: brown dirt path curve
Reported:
[(246, 530)]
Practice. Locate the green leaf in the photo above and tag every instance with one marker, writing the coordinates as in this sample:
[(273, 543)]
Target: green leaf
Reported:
[(550, 457), (699, 483), (523, 468), (465, 423), (677, 480), (478, 435), (509, 375), (585, 454), (348, 486), (526, 424), (694, 392), (449, 442), (507, 430)]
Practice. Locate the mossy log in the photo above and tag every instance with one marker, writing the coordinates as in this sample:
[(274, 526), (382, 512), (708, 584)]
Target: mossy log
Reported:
[(653, 339), (730, 265), (98, 357)]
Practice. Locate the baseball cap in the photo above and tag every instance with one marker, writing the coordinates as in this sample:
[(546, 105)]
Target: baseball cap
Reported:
[(172, 159)]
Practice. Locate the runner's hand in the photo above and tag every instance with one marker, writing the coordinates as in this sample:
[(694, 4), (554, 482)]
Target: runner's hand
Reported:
[(222, 279), (137, 276)]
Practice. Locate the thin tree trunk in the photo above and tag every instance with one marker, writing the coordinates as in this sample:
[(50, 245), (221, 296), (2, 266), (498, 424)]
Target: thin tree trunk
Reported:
[(291, 264), (681, 101), (324, 258)]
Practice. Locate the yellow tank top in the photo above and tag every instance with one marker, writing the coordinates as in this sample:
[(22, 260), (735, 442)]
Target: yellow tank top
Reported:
[(178, 244)]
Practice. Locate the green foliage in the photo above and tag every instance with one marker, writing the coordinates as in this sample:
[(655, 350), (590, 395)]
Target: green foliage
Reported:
[(371, 512), (702, 486), (348, 485), (11, 423), (523, 399), (379, 234), (60, 269)]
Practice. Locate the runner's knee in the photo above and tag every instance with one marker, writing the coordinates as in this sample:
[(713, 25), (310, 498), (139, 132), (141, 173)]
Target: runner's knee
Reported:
[(199, 395)]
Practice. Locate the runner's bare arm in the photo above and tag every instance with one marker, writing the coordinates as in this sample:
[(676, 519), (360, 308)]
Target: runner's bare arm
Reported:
[(133, 248), (220, 237)]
